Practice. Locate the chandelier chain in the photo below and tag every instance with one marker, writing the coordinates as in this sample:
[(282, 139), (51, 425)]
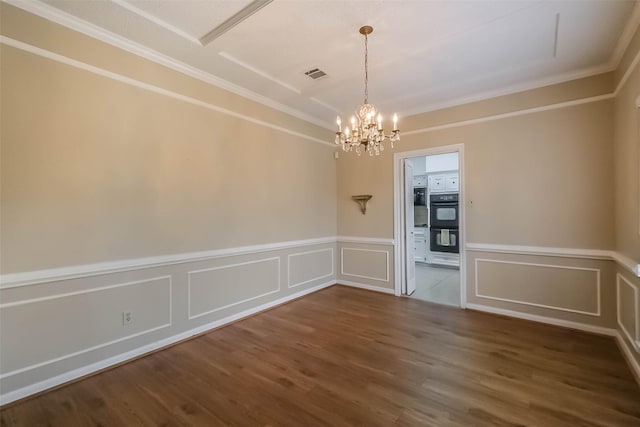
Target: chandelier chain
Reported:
[(366, 69)]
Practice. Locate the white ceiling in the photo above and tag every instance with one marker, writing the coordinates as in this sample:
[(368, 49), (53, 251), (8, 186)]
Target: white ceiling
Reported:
[(423, 55)]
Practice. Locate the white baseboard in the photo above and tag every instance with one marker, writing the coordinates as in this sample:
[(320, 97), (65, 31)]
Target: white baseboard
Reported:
[(365, 286), (548, 320), (628, 356), (140, 351)]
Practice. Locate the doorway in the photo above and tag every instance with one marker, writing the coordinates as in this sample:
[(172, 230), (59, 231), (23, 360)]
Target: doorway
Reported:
[(429, 225)]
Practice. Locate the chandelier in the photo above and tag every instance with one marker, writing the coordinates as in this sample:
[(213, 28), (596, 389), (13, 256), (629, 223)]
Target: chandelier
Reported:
[(366, 132)]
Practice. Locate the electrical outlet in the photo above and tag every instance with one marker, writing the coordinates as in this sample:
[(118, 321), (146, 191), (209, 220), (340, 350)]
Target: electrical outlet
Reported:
[(127, 318)]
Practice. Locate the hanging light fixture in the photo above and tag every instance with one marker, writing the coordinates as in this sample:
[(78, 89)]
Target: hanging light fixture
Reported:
[(366, 132)]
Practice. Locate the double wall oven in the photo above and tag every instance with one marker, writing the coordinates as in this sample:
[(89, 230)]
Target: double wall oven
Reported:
[(444, 219)]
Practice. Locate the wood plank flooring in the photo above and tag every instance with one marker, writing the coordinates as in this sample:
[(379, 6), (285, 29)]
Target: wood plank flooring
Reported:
[(348, 357)]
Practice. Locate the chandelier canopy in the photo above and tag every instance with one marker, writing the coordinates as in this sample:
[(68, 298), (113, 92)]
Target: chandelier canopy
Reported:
[(366, 132)]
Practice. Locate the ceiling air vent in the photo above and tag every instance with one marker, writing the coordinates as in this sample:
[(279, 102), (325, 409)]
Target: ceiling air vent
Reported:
[(316, 73)]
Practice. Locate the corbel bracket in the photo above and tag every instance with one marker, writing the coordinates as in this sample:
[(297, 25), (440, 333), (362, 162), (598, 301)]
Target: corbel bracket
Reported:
[(362, 201)]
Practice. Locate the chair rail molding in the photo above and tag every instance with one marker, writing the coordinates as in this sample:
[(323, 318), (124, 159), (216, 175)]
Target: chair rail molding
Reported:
[(599, 254), (26, 278)]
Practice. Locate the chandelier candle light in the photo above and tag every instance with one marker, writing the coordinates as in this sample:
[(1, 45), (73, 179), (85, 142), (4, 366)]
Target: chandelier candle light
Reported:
[(366, 129)]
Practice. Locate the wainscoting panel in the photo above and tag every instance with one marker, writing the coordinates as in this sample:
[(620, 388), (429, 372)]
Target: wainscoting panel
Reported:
[(365, 263), (309, 266), (55, 327), (59, 325), (628, 315), (557, 287), (217, 288)]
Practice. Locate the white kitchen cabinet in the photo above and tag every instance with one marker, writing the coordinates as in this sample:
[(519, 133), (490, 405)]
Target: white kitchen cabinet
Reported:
[(436, 183), (420, 244), (451, 183), (447, 182), (419, 180)]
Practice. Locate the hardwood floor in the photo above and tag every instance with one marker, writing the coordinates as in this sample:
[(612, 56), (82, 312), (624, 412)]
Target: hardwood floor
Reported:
[(348, 357)]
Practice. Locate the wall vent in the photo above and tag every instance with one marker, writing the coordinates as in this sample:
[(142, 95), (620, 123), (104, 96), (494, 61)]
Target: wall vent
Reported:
[(316, 73)]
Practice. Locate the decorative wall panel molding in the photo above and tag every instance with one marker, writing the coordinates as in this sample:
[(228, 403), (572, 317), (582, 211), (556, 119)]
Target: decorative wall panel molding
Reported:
[(369, 258), (628, 306), (213, 289), (77, 324), (309, 266), (534, 290)]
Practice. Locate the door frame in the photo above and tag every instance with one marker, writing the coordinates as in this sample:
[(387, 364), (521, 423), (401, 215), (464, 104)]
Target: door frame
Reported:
[(398, 215)]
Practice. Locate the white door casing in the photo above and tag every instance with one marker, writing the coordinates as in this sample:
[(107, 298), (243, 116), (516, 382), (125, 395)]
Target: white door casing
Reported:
[(399, 216), (409, 241)]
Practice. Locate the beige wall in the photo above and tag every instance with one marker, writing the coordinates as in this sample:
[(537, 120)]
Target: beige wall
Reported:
[(626, 148), (144, 190), (94, 169), (540, 179), (626, 145)]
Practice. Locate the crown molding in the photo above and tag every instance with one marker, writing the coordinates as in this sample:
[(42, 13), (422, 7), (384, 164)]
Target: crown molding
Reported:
[(74, 23), (159, 22), (537, 84), (625, 37)]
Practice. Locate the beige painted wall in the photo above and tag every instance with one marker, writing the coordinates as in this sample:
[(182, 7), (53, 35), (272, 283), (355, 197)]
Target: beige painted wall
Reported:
[(626, 148), (627, 166), (97, 170), (541, 179)]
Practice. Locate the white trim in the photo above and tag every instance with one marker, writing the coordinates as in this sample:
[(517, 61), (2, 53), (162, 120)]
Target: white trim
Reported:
[(67, 20), (600, 254), (365, 240), (635, 340), (159, 22), (628, 355), (222, 267), (543, 319), (626, 262), (365, 286), (398, 217), (540, 251), (511, 114), (152, 88), (333, 267), (114, 360), (625, 38), (13, 280), (342, 249), (85, 291), (561, 267), (510, 90), (256, 70), (98, 346), (627, 74)]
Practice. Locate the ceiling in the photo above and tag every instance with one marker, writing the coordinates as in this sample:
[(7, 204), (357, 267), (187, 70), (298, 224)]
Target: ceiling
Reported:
[(423, 55)]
